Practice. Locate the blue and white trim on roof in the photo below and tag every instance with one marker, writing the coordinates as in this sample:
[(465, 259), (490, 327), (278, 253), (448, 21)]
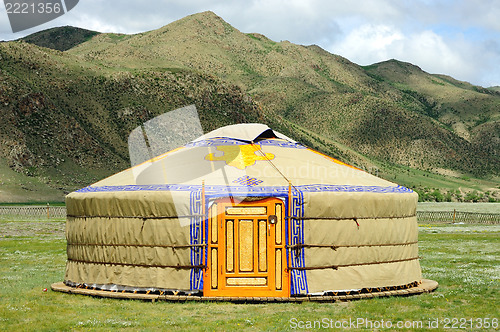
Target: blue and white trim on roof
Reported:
[(228, 141), (222, 189)]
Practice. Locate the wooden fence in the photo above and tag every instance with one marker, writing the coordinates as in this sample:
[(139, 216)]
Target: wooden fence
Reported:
[(32, 212), (458, 216), (58, 212)]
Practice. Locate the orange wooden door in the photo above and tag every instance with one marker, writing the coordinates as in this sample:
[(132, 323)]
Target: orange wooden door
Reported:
[(246, 252)]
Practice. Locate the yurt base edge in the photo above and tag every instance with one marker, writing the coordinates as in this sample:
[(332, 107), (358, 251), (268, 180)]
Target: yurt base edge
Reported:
[(424, 286)]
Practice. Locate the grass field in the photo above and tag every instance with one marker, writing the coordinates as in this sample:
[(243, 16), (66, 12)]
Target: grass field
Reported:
[(463, 259)]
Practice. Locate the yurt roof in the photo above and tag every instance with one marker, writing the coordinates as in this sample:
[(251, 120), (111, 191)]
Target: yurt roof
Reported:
[(250, 155)]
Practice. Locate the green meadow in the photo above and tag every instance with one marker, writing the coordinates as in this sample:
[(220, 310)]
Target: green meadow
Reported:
[(464, 259)]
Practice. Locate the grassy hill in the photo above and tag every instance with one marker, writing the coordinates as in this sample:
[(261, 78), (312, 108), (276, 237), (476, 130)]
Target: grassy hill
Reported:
[(67, 114)]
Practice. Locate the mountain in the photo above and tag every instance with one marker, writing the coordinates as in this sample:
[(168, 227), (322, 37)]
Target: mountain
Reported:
[(470, 112), (60, 38), (67, 114)]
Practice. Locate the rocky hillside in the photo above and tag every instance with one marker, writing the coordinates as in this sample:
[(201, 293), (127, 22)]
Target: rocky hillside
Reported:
[(65, 123), (66, 115)]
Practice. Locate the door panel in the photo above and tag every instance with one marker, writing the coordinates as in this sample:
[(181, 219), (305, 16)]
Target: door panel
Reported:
[(229, 245), (245, 245), (262, 245), (247, 250)]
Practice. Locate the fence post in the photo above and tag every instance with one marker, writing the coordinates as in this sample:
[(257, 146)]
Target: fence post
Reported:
[(454, 213), (48, 213)]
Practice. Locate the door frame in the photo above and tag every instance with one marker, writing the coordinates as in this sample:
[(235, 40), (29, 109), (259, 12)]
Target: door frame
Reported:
[(215, 277)]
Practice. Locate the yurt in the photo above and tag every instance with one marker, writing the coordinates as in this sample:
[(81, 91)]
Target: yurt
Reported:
[(242, 212)]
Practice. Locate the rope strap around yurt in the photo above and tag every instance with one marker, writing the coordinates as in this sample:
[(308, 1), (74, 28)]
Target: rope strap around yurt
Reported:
[(335, 267), (138, 265), (138, 217), (348, 219), (173, 246), (335, 247)]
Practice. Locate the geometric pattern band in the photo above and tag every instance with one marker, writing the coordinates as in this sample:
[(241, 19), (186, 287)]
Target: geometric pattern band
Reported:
[(225, 142), (196, 238), (224, 189), (296, 258)]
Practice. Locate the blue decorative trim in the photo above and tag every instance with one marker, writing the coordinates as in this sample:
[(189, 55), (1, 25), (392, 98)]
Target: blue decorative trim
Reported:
[(214, 142), (281, 144), (226, 141), (222, 189), (196, 237), (147, 187), (351, 188), (298, 283)]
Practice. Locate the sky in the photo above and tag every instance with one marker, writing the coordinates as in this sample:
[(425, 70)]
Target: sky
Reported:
[(460, 38)]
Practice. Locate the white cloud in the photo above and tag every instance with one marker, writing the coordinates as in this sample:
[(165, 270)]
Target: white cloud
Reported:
[(480, 13), (431, 52), (369, 43), (459, 58)]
